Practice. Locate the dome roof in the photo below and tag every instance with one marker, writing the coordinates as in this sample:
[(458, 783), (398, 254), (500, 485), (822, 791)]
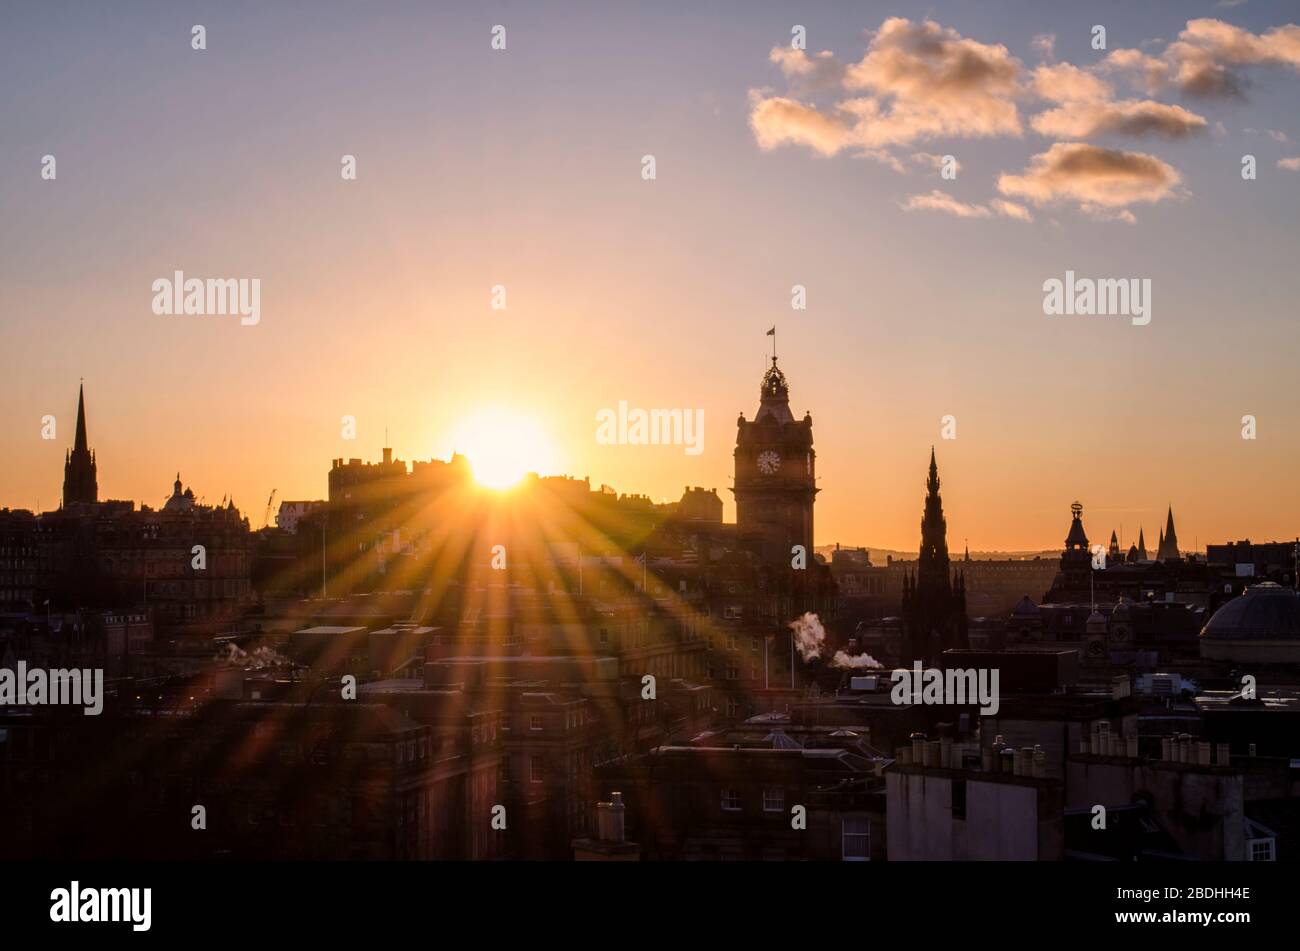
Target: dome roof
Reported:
[(1265, 612), (1025, 607), (179, 501)]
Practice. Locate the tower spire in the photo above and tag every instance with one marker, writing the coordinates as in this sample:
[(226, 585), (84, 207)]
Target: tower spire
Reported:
[(80, 484), (937, 621), (1168, 539), (82, 444)]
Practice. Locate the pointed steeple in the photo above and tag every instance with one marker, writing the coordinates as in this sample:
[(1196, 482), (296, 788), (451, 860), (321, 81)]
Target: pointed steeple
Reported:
[(1168, 540), (937, 620), (80, 484), (1142, 546), (932, 564), (82, 444)]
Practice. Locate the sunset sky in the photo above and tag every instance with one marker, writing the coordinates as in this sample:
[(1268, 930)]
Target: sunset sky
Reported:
[(775, 167)]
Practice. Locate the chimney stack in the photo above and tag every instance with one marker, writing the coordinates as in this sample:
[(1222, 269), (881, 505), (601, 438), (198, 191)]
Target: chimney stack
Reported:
[(610, 824)]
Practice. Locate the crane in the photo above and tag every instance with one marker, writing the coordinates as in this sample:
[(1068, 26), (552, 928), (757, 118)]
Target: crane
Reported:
[(270, 500)]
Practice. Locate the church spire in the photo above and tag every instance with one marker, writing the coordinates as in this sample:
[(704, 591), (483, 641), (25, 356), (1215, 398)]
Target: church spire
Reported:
[(1168, 540), (80, 484), (82, 444)]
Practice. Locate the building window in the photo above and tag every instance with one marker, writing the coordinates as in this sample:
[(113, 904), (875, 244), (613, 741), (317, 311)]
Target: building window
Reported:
[(535, 722), (604, 636), (733, 707), (536, 769), (855, 840), (1261, 850), (730, 800), (774, 800)]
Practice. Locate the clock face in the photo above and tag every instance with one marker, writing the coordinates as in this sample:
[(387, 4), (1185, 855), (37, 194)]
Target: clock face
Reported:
[(768, 462)]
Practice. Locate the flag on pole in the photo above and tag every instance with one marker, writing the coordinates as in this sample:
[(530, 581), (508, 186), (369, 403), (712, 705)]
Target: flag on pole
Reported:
[(772, 332)]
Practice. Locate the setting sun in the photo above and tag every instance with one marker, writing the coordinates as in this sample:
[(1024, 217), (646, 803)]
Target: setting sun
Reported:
[(503, 447)]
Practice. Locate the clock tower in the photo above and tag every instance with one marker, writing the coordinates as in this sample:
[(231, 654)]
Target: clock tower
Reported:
[(776, 483)]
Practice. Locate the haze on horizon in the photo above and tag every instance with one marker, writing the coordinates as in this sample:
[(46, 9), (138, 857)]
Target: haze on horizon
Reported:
[(522, 168)]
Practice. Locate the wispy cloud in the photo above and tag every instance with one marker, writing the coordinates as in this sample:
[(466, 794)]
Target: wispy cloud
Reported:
[(937, 200)]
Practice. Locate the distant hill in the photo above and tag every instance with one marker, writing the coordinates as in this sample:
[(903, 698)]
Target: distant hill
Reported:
[(880, 555)]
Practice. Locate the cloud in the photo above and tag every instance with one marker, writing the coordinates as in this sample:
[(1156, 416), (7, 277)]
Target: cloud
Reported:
[(1108, 214), (1274, 134), (1010, 209), (808, 73), (884, 157), (927, 80), (1102, 182), (1066, 83), (1202, 56), (1291, 164), (1086, 108), (1085, 120), (1148, 72), (937, 200), (778, 120), (933, 161), (919, 81), (916, 81)]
